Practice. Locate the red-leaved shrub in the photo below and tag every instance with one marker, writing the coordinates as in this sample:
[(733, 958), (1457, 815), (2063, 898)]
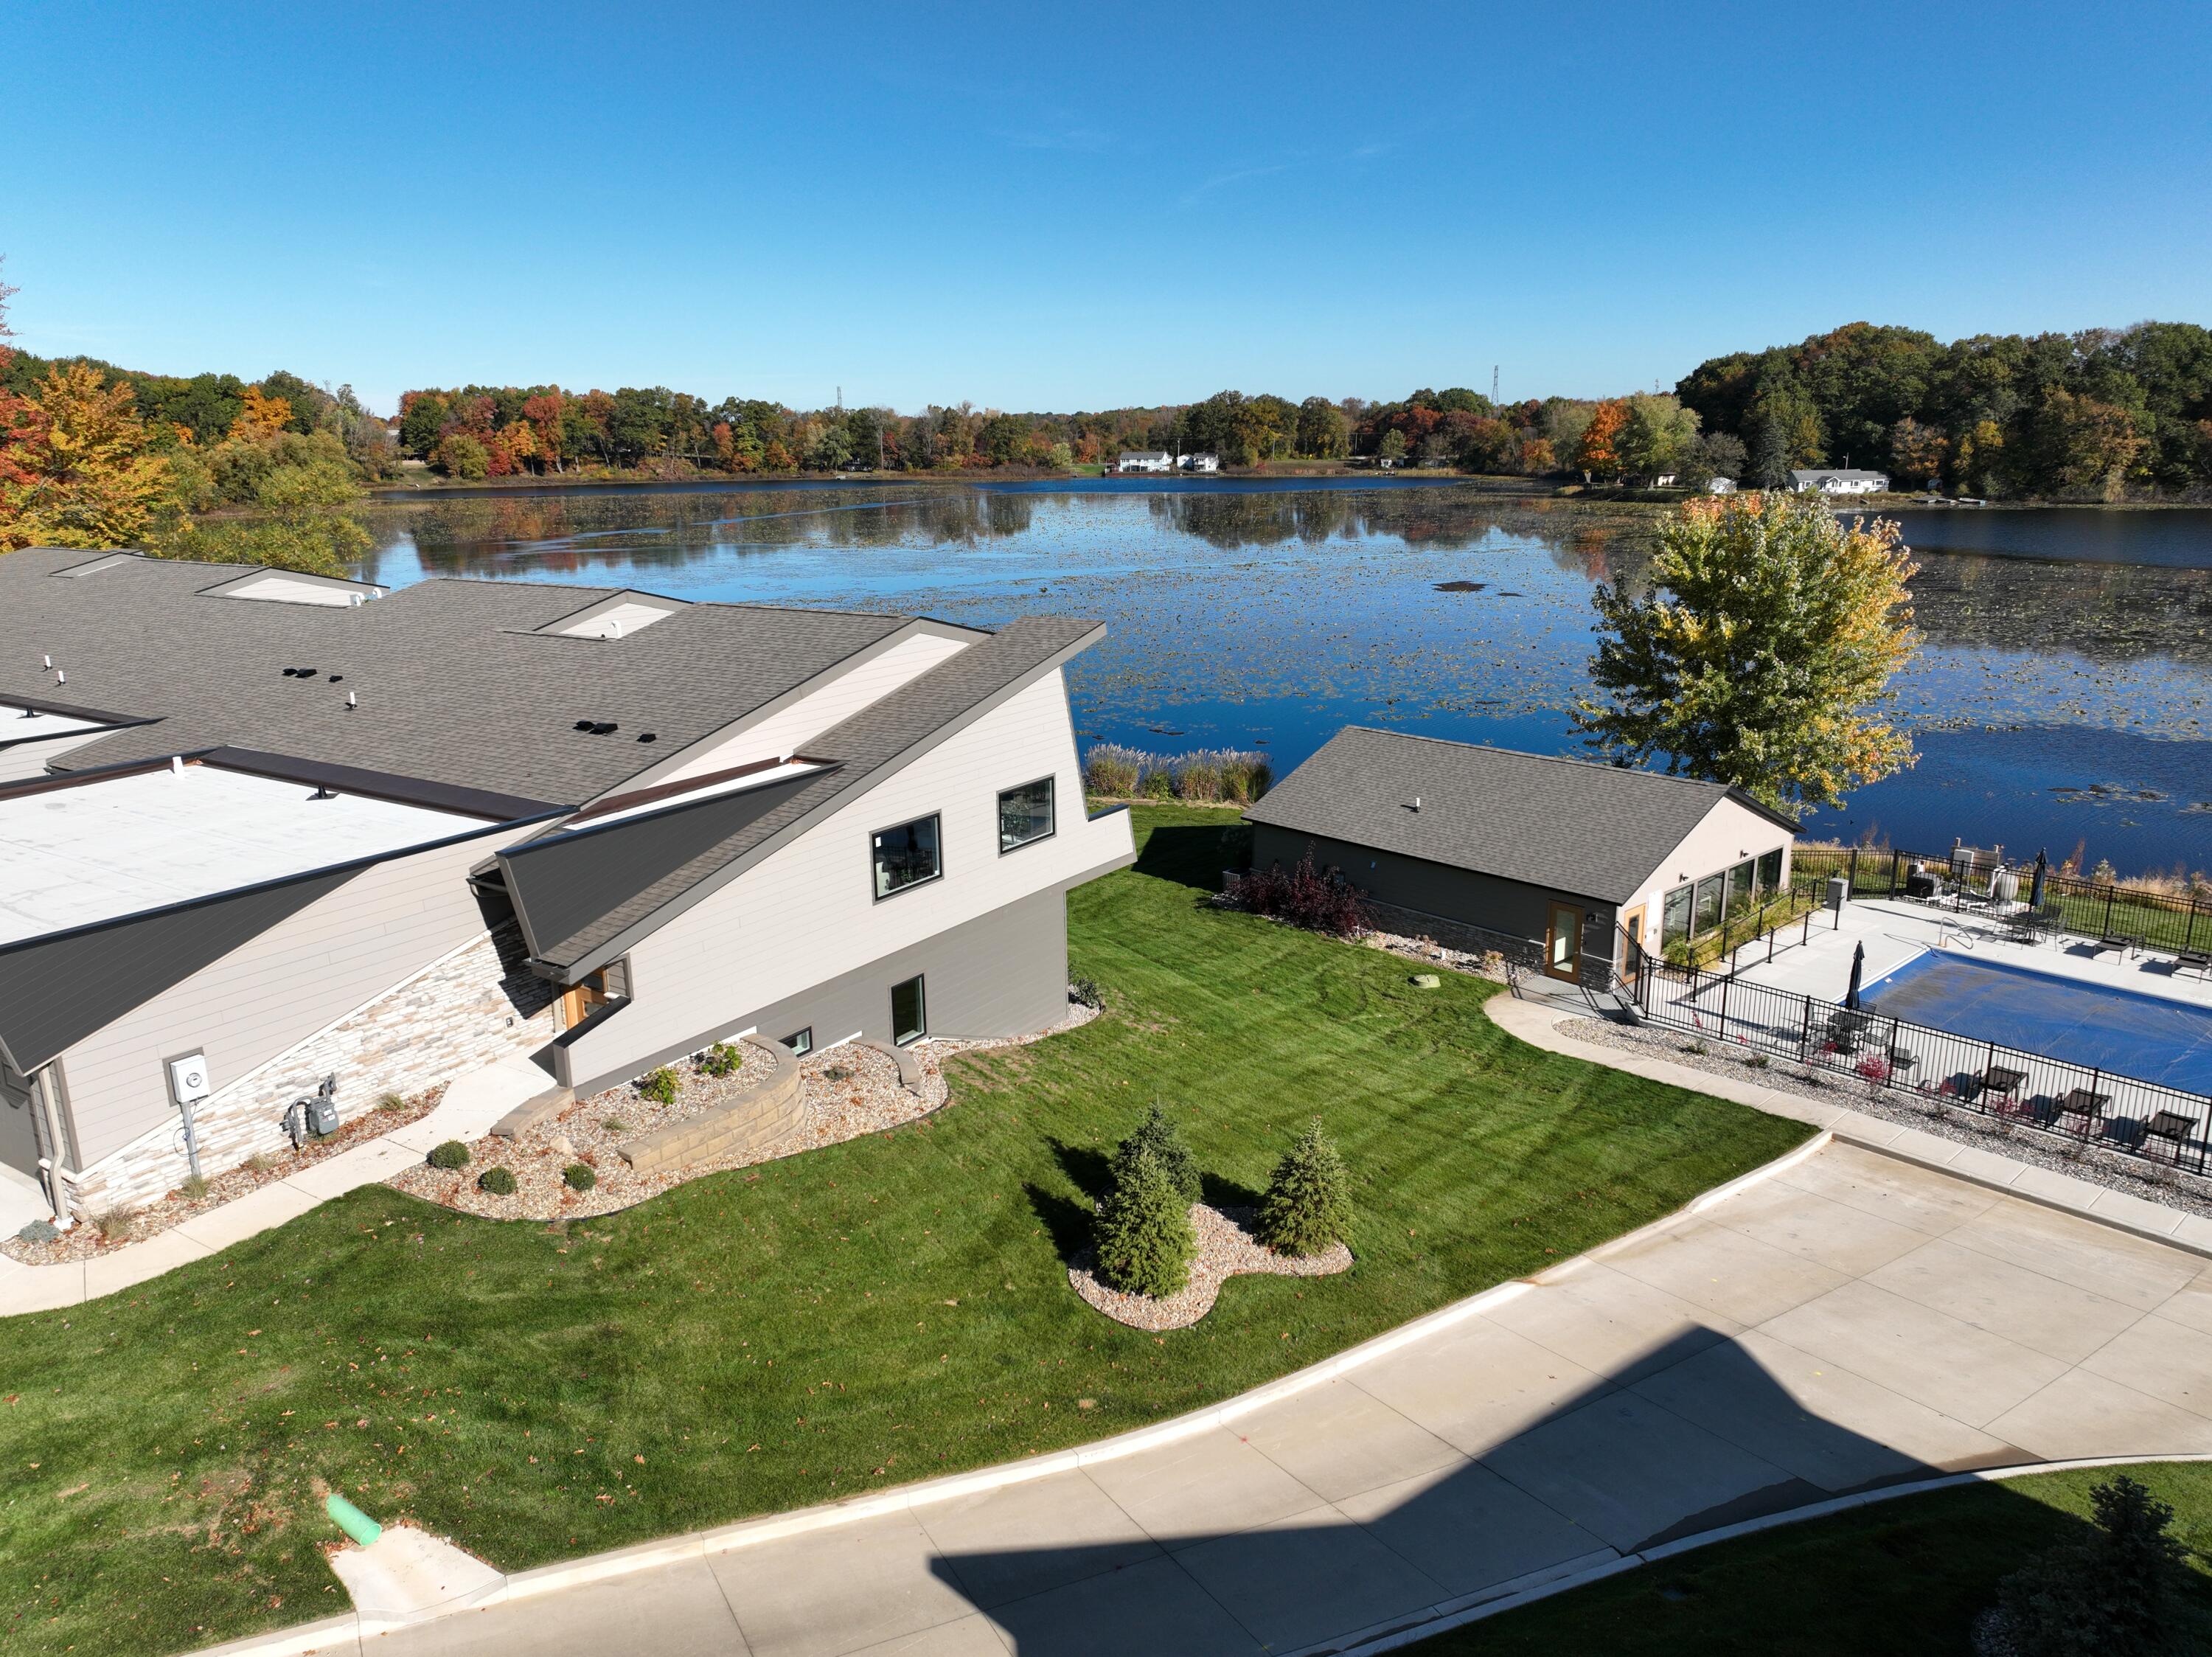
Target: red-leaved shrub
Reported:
[(1321, 900)]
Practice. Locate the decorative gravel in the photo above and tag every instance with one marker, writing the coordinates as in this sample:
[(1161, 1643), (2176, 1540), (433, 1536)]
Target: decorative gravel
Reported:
[(83, 1240), (1226, 1248), (849, 1091), (2154, 1182)]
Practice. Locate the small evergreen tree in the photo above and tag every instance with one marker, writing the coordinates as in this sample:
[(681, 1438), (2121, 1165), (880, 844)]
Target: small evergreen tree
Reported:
[(1307, 1207), (1157, 1137), (2111, 1596), (1146, 1243)]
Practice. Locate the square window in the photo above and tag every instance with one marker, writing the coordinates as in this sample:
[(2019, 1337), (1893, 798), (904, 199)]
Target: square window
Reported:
[(910, 1016), (906, 855), (1025, 814), (800, 1041)]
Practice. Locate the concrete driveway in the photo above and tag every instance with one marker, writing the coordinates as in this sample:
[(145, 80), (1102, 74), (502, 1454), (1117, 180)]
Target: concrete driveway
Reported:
[(1853, 1321)]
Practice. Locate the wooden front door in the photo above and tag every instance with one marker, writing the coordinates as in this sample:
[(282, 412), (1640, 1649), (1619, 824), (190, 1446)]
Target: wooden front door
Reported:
[(1563, 944), (1631, 953), (579, 1001)]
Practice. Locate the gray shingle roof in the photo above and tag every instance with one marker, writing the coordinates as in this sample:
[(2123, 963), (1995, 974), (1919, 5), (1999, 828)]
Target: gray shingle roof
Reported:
[(877, 740), (1568, 826), (454, 685)]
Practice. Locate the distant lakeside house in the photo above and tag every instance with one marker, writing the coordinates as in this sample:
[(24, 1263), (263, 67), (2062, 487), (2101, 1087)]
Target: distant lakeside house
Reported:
[(1840, 482), (1552, 859), (260, 829), (1204, 461), (1145, 460)]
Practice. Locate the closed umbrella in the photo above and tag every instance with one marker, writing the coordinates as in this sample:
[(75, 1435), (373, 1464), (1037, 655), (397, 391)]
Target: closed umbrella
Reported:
[(2042, 873), (1858, 965)]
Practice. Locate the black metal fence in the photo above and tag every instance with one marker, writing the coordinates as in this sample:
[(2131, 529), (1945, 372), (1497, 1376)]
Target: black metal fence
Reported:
[(1932, 1068), (2177, 922)]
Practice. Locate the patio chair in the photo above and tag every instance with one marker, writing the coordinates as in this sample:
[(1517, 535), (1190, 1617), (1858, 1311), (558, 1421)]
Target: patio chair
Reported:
[(2003, 1083), (2199, 961), (2088, 1106), (2170, 1126), (2126, 942)]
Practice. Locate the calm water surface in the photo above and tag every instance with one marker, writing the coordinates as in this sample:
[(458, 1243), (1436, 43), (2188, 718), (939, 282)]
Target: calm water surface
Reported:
[(2064, 698)]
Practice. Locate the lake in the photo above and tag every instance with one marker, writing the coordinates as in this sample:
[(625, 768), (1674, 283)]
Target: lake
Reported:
[(2064, 698)]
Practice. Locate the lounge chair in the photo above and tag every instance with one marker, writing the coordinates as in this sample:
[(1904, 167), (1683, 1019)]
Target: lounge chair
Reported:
[(2199, 961)]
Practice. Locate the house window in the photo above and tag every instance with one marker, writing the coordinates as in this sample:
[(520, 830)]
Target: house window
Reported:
[(800, 1041), (1708, 911), (1740, 896), (1769, 871), (907, 856), (1675, 916), (1025, 814), (909, 1014)]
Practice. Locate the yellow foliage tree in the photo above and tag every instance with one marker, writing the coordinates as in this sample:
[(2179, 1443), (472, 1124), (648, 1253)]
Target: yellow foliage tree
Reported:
[(90, 476), (261, 416)]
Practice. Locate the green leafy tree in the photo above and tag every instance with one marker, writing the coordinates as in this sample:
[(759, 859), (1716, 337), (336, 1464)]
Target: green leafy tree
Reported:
[(1145, 1240), (1322, 432), (1658, 437), (1156, 1137), (298, 496), (1761, 652), (1307, 1205)]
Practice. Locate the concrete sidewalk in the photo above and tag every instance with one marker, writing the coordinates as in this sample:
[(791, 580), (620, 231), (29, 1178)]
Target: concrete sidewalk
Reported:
[(473, 1103), (1849, 1322)]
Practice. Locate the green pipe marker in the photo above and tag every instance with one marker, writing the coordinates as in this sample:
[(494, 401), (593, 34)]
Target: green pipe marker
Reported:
[(350, 1520)]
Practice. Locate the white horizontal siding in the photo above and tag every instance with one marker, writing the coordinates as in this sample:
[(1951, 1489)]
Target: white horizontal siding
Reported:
[(787, 729), (809, 913), (20, 761), (275, 990)]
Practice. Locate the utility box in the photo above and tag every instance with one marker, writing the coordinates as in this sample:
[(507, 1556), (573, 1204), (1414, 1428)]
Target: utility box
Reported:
[(1839, 892)]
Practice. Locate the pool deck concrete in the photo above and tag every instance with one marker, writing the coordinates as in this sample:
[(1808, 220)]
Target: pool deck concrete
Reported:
[(1895, 930)]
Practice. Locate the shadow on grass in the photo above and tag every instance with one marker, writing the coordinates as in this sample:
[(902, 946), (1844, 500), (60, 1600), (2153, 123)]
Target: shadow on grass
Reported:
[(1194, 854), (1220, 1193)]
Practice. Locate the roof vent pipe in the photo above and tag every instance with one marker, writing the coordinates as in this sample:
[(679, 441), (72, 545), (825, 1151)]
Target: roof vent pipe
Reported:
[(176, 765), (60, 677), (48, 661), (1417, 802), (614, 627), (351, 701)]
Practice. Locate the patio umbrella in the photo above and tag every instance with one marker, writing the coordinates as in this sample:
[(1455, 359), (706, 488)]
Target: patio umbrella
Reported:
[(1858, 965), (2035, 892)]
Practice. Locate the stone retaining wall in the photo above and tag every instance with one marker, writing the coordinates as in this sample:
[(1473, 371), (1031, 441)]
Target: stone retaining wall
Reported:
[(770, 1104), (474, 1007)]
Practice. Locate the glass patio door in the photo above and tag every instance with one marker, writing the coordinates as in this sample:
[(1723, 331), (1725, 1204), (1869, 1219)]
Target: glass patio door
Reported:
[(1563, 943)]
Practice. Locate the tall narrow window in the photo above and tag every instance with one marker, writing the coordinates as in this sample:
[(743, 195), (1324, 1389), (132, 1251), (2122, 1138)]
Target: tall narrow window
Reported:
[(909, 1015), (1769, 871), (1675, 916), (1025, 814), (1708, 914), (907, 856), (1739, 897)]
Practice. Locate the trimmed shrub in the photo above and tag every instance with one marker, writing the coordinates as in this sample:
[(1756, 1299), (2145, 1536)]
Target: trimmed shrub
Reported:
[(579, 1176), (496, 1182), (1156, 1136), (1308, 1206), (39, 1231), (450, 1155), (1111, 770), (1321, 900), (1085, 992), (660, 1086), (721, 1059), (1146, 1243), (2112, 1595)]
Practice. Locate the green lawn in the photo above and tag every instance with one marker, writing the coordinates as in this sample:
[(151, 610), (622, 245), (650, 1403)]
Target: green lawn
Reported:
[(868, 1313), (1904, 1578)]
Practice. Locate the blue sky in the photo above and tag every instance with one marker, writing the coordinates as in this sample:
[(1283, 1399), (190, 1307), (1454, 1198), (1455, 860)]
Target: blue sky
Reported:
[(1046, 207)]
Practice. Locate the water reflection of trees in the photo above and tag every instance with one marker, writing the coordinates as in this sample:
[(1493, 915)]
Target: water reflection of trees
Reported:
[(2105, 612), (1432, 519)]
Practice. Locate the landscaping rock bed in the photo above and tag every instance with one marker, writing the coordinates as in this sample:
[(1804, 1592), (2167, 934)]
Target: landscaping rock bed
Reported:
[(2154, 1182), (1226, 1249), (86, 1239), (848, 1091)]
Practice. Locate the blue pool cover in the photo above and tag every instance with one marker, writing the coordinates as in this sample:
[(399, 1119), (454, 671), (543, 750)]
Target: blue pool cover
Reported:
[(2149, 1037)]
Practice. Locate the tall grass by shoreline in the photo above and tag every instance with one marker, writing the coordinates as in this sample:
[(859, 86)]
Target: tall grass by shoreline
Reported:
[(1202, 776)]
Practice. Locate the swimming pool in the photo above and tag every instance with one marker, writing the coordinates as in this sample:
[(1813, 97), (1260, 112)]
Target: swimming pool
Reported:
[(2149, 1037)]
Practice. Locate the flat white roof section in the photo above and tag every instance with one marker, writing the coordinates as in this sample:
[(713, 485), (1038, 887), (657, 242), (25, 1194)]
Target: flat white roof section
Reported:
[(616, 617), (22, 724), (119, 845), (288, 586)]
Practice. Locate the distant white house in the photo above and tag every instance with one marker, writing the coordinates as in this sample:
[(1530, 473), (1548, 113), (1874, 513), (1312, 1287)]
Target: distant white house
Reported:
[(1841, 482), (1719, 486), (1145, 460), (1206, 462)]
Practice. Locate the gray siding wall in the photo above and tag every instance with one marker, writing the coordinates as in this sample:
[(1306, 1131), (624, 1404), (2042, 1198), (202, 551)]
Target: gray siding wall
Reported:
[(1456, 894), (274, 990), (1001, 974)]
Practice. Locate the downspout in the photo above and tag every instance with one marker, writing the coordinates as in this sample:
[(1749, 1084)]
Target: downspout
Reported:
[(46, 1081)]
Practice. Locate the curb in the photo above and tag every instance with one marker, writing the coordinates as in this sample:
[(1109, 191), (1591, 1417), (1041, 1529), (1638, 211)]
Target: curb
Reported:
[(742, 1533), (1451, 1615)]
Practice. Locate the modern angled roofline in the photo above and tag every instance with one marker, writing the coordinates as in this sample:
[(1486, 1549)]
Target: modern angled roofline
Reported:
[(612, 947), (384, 785)]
